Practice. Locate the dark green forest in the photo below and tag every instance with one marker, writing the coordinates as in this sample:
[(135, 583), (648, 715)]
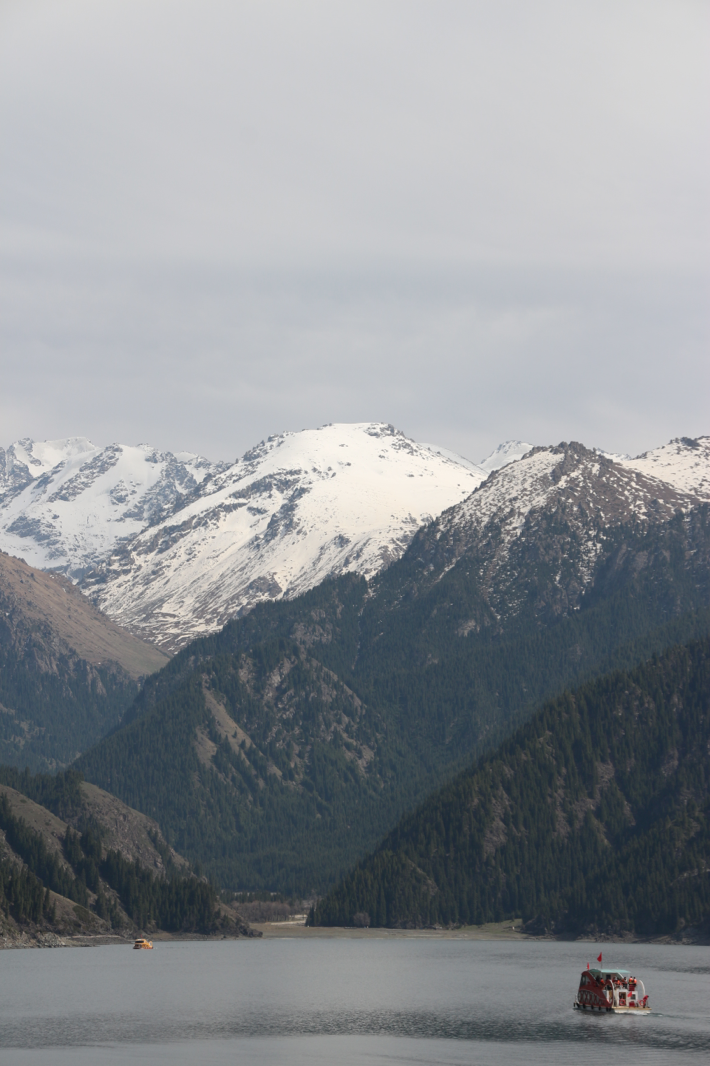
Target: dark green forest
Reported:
[(85, 869), (594, 816), (60, 793), (280, 750), (23, 896)]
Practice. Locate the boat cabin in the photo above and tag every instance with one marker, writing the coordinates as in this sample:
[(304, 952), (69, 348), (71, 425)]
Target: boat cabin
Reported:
[(610, 990)]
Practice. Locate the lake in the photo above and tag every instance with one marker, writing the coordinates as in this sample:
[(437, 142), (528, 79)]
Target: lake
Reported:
[(350, 1002)]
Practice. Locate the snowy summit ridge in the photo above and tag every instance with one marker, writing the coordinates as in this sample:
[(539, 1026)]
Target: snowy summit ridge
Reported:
[(505, 453), (173, 546), (294, 510), (66, 504)]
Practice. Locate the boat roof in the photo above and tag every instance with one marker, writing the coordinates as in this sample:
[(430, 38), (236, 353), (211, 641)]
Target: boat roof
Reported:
[(602, 970)]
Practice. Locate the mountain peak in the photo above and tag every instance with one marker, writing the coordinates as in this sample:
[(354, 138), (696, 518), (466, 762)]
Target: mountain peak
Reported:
[(65, 504), (505, 453), (295, 509), (683, 463)]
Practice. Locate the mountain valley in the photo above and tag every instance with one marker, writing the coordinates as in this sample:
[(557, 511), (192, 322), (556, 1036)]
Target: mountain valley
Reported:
[(302, 729), (593, 819), (393, 618)]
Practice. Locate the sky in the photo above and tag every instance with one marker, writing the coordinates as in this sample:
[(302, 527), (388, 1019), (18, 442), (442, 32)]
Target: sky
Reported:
[(475, 220)]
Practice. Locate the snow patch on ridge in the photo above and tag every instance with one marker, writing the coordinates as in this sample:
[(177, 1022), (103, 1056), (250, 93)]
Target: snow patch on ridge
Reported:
[(505, 453), (456, 458), (683, 463), (66, 504), (297, 508)]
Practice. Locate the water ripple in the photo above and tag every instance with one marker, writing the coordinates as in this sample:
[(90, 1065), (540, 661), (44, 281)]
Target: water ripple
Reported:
[(90, 1030)]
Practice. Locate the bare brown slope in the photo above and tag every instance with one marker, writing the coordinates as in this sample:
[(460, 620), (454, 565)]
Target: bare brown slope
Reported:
[(49, 599), (37, 818), (102, 915), (129, 832)]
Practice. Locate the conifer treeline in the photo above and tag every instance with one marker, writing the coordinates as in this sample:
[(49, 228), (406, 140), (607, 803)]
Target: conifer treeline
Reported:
[(594, 816), (23, 896), (60, 793), (440, 676), (84, 869), (45, 864), (179, 904)]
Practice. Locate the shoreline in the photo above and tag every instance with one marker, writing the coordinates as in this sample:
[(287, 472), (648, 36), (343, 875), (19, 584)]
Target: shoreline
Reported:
[(491, 931), (503, 931)]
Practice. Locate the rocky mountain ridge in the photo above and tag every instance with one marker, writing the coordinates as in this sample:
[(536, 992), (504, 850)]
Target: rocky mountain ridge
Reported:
[(290, 737), (65, 504), (67, 672), (545, 521), (172, 547), (296, 509)]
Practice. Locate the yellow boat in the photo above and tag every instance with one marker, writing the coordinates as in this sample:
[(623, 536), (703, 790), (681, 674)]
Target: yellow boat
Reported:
[(142, 943)]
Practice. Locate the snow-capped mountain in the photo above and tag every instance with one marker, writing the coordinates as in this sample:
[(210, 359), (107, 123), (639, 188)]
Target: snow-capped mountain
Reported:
[(294, 510), (65, 504), (684, 463), (172, 546), (504, 454), (538, 527)]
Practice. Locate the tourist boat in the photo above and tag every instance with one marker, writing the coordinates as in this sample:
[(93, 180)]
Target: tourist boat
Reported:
[(611, 991), (142, 943)]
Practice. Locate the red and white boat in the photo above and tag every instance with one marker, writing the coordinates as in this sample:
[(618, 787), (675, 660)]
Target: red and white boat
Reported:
[(608, 991)]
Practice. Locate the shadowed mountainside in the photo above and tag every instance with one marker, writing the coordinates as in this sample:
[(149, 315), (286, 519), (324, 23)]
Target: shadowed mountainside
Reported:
[(592, 818), (76, 861), (67, 673), (284, 747)]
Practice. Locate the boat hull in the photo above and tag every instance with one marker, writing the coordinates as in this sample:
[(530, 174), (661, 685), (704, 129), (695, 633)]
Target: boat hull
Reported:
[(611, 1010)]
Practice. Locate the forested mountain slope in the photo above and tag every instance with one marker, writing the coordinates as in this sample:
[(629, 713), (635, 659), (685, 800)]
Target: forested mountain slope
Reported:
[(280, 749), (67, 672), (593, 817), (75, 860)]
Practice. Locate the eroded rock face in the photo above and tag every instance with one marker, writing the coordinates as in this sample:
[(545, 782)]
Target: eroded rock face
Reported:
[(65, 504), (536, 533)]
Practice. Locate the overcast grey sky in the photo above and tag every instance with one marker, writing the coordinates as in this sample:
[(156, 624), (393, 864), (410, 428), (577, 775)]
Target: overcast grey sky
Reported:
[(475, 220)]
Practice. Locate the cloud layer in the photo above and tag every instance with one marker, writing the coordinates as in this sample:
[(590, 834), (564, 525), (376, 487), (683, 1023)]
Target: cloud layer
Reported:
[(474, 220)]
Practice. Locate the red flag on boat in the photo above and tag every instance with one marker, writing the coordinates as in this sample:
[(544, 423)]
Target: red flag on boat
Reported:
[(599, 957), (587, 965)]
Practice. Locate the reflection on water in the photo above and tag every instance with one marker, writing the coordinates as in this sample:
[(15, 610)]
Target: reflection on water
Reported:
[(350, 1001)]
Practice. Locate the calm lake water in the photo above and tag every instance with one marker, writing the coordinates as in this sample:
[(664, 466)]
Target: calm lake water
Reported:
[(344, 1001)]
